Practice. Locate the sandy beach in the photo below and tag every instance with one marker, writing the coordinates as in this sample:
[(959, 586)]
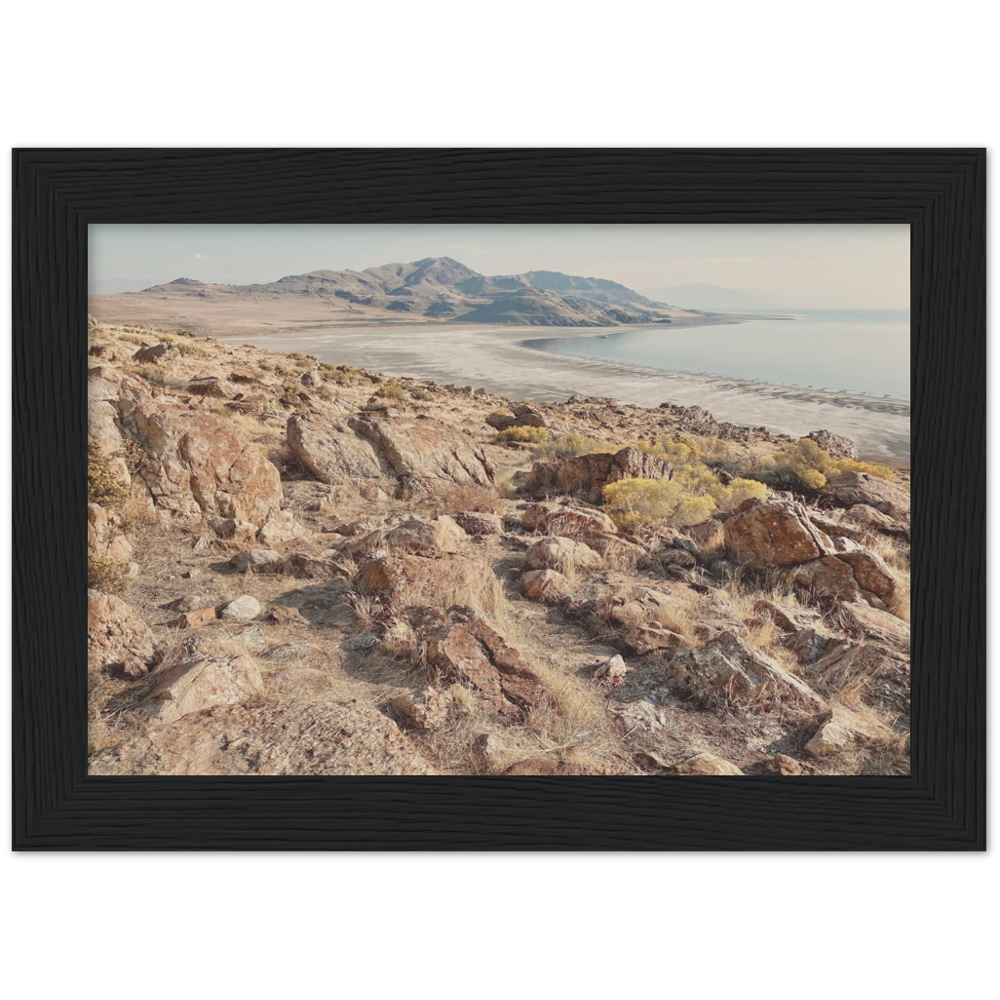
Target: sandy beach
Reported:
[(499, 359)]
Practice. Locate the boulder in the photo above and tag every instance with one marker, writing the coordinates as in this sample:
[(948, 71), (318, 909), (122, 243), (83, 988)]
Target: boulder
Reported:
[(424, 449), (546, 585), (200, 463), (403, 581), (863, 520), (788, 766), (586, 476), (201, 682), (258, 560), (331, 451), (568, 520), (862, 488), (705, 764), (834, 444), (117, 639), (427, 709), (279, 528), (561, 554), (220, 388), (426, 536), (293, 738), (471, 652), (728, 665), (840, 729), (243, 609), (105, 539), (773, 533), (526, 415), (870, 571), (863, 621)]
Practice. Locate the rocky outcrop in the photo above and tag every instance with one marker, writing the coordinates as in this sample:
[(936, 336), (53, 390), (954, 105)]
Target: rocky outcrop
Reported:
[(426, 536), (730, 666), (586, 475), (200, 463), (300, 738), (834, 444), (331, 451), (861, 488), (472, 653), (415, 452), (201, 682), (117, 639)]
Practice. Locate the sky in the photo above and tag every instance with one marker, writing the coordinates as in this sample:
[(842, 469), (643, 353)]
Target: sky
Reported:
[(802, 266)]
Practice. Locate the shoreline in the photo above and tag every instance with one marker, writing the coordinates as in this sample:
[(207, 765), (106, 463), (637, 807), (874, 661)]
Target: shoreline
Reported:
[(497, 359)]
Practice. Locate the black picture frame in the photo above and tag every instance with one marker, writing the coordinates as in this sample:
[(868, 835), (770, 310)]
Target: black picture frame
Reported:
[(940, 193)]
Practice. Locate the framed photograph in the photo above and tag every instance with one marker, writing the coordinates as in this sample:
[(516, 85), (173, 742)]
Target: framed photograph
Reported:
[(499, 499)]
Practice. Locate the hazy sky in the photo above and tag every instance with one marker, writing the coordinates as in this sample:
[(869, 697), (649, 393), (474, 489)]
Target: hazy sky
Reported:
[(806, 266)]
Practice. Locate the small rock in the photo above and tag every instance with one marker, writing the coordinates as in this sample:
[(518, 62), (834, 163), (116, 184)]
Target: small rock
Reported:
[(786, 765), (705, 763), (279, 528), (280, 614), (612, 672), (243, 609), (255, 559), (194, 619)]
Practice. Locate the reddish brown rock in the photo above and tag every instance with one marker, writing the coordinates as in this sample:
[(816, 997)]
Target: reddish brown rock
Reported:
[(775, 533), (280, 614), (195, 619), (470, 652), (200, 463), (438, 582)]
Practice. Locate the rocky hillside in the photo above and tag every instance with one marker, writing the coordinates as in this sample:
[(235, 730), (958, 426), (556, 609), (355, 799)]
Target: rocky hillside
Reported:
[(302, 568), (436, 289)]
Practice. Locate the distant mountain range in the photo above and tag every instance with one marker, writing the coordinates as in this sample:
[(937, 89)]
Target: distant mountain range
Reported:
[(711, 297), (434, 289)]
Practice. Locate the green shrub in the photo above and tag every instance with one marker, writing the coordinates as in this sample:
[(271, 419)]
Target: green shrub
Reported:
[(522, 435), (102, 487)]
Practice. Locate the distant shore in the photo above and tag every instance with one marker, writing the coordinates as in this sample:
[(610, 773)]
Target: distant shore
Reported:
[(499, 359)]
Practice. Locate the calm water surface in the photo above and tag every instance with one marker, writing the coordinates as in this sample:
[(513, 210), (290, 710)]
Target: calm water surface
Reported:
[(826, 349)]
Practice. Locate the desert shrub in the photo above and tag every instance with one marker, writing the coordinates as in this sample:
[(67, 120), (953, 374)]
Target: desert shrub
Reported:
[(134, 454), (570, 446), (418, 392), (391, 390), (102, 487), (133, 338), (105, 574), (151, 373), (642, 503), (522, 435), (805, 461), (192, 350), (729, 497)]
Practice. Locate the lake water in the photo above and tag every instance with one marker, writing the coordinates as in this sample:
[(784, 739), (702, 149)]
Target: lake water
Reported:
[(857, 351)]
